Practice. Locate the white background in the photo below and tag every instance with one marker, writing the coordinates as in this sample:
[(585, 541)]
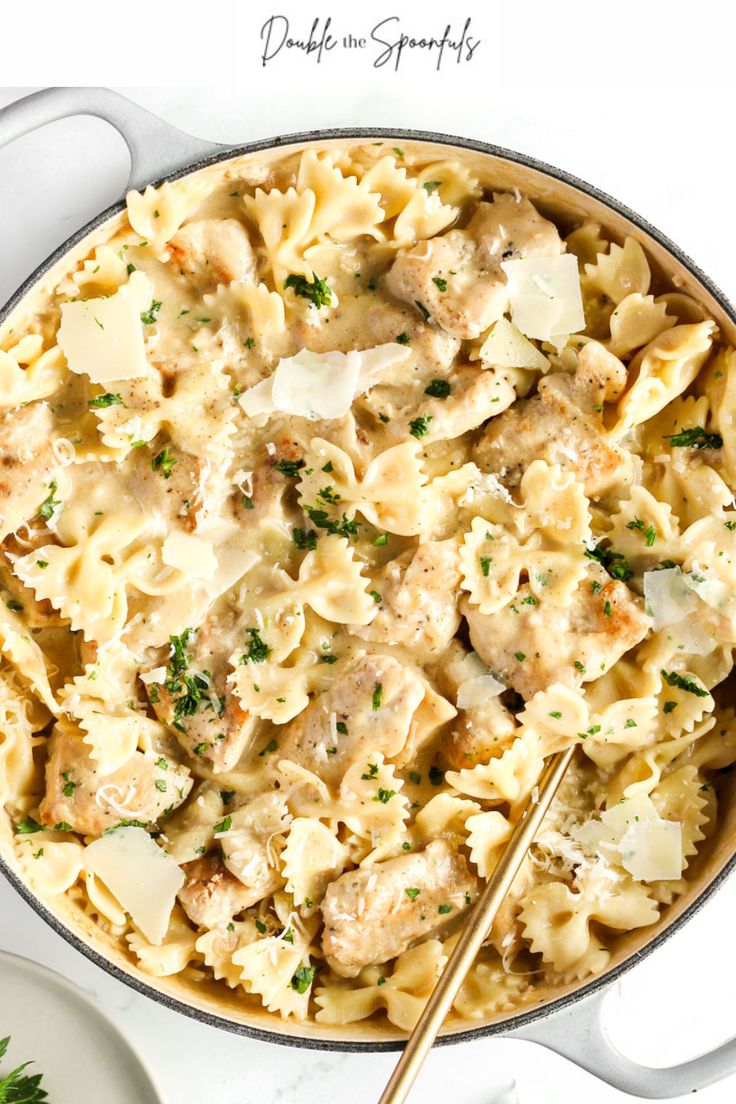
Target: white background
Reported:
[(638, 98)]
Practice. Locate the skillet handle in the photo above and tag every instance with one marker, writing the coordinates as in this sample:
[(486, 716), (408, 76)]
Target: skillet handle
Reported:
[(156, 148), (579, 1034)]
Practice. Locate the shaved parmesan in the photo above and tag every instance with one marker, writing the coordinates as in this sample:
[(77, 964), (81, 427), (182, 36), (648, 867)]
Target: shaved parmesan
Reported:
[(478, 690), (143, 878), (709, 588), (633, 834), (316, 385), (321, 385), (103, 338), (667, 598), (506, 347), (155, 675), (545, 297), (190, 554)]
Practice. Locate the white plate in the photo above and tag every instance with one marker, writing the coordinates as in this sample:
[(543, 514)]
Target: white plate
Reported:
[(82, 1055)]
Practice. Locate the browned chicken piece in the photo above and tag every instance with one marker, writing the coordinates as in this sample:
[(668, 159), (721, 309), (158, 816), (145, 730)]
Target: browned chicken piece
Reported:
[(77, 794), (214, 251), (471, 293), (359, 322), (511, 228), (570, 644), (560, 426), (458, 277), (477, 395), (418, 601), (374, 913), (375, 699), (27, 464), (205, 715), (211, 895), (479, 733)]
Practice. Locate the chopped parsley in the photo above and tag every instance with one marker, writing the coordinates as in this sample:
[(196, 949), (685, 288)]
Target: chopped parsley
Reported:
[(415, 777), (344, 528), (108, 399), (438, 389), (371, 773), (164, 462), (422, 310), (260, 926), (289, 467), (436, 776), (695, 437), (50, 503), (440, 283), (328, 658), (329, 496), (342, 728), (149, 317), (27, 826), (648, 531), (227, 796), (412, 893), (419, 427), (247, 502), (62, 826), (579, 666), (402, 338), (556, 714), (270, 747), (432, 185), (200, 749), (258, 650), (377, 696), (303, 978), (607, 608), (381, 980), (443, 910), (375, 596), (13, 606), (160, 785), (384, 796), (18, 1087), (69, 784), (485, 565), (669, 706), (520, 656), (305, 539), (317, 291), (225, 824), (614, 563), (684, 683), (381, 540)]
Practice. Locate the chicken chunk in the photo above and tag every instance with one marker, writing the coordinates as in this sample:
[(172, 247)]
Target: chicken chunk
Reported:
[(450, 277), (476, 396), (206, 716), (374, 913), (375, 700), (27, 464), (77, 794), (479, 733), (511, 228), (360, 322), (214, 251), (211, 895), (418, 604), (558, 425), (532, 646), (458, 277)]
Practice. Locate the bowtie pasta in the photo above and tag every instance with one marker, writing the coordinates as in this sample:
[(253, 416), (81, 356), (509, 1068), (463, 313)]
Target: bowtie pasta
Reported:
[(338, 492)]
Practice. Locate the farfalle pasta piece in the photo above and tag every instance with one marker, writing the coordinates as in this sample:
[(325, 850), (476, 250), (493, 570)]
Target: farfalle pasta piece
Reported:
[(662, 371), (402, 993), (423, 217), (172, 955), (270, 965), (487, 834), (101, 274), (218, 945), (19, 646), (264, 309), (721, 398), (113, 740), (623, 271), (312, 858), (157, 213), (372, 805), (17, 767), (443, 814), (53, 861), (637, 320), (345, 599), (28, 373), (644, 528), (556, 920), (343, 210), (488, 989), (545, 542), (284, 220), (389, 495)]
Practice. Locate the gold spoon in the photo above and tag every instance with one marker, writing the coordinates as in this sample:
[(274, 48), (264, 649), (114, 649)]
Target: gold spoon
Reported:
[(476, 931)]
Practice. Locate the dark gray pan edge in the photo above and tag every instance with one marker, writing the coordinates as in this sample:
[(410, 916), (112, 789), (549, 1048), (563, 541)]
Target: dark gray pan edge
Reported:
[(530, 1016)]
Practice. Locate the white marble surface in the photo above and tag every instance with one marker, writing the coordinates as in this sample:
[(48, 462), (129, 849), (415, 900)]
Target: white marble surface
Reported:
[(673, 165)]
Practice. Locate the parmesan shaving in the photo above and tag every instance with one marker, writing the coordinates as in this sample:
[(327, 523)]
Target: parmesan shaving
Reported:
[(667, 597), (143, 878), (103, 339), (190, 554), (478, 691), (545, 296), (506, 347)]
